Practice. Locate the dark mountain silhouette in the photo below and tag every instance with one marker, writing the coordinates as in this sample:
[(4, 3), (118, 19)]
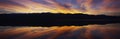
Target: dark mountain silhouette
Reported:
[(49, 19)]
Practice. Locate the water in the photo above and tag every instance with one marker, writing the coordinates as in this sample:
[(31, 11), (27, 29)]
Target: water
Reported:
[(107, 31)]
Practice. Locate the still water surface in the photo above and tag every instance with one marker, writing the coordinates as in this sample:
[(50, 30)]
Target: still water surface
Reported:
[(107, 31)]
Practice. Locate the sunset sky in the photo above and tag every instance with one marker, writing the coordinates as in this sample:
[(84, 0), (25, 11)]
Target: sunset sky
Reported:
[(107, 7)]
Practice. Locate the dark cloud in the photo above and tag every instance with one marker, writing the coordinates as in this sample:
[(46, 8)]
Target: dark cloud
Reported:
[(96, 4), (5, 11), (41, 2), (10, 2), (112, 13)]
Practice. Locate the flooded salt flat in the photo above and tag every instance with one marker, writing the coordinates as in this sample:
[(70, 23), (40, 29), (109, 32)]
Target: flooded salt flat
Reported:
[(107, 31)]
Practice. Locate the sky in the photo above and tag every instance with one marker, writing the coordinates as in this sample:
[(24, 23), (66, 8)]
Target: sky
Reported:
[(95, 7)]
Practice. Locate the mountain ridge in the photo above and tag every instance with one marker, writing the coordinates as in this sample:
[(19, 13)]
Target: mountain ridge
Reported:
[(55, 19)]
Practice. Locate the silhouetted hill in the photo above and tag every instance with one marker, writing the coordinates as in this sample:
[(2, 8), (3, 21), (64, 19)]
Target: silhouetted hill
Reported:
[(49, 19)]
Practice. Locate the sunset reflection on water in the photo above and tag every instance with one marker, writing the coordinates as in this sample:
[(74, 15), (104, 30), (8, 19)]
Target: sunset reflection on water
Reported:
[(108, 31)]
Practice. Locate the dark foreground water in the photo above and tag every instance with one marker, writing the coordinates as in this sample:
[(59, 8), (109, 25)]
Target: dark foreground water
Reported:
[(107, 31)]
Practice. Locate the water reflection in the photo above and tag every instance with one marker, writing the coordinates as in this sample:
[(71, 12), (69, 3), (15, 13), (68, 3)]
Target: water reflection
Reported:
[(108, 31)]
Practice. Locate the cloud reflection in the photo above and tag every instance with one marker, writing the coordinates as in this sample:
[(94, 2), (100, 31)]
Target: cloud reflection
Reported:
[(64, 32)]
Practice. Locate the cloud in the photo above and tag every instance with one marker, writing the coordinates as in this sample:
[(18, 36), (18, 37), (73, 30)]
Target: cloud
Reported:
[(5, 11), (95, 7)]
